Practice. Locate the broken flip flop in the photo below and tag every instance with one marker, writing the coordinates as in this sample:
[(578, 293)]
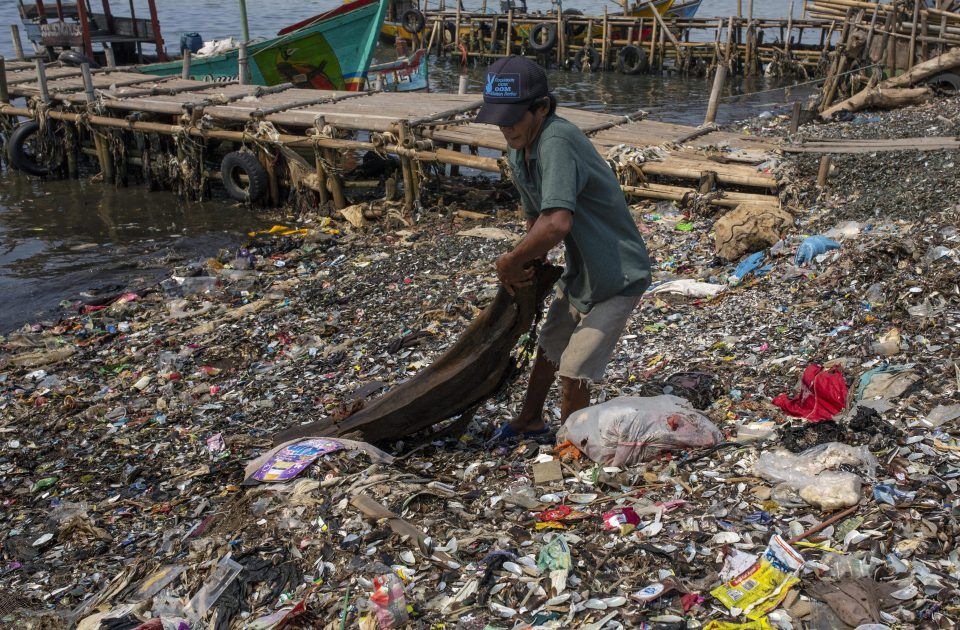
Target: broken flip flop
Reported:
[(506, 432)]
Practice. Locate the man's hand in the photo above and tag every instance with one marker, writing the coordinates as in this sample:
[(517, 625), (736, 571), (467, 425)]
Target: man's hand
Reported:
[(512, 274)]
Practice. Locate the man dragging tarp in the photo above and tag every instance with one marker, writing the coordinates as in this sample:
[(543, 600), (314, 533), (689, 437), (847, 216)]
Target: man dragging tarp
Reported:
[(569, 194)]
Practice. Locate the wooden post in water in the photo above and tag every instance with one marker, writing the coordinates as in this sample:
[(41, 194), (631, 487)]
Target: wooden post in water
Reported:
[(605, 46), (185, 66), (718, 79), (242, 64), (108, 53), (786, 41), (4, 93), (103, 154), (17, 44)]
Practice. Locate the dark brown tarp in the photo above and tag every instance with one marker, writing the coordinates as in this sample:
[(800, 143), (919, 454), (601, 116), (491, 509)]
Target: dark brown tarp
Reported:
[(471, 370)]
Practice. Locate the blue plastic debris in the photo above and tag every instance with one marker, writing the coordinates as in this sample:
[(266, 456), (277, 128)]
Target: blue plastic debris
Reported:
[(751, 264), (813, 246)]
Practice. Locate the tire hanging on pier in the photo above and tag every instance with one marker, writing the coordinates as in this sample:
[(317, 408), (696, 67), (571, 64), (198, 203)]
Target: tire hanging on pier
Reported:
[(237, 163), (586, 59), (412, 21), (632, 60), (28, 152), (449, 33), (543, 37)]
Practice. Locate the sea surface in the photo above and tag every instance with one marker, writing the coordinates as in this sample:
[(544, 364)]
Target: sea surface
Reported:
[(65, 240)]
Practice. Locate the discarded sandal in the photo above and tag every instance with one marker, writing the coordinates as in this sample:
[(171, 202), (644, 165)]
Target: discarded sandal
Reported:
[(506, 432)]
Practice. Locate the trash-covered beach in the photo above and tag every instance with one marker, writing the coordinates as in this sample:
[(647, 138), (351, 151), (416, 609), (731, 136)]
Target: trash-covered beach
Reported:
[(137, 432)]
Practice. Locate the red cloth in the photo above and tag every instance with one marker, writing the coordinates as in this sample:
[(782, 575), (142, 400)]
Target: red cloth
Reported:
[(823, 394)]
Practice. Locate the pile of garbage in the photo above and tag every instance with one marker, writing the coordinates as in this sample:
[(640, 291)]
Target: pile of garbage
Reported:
[(776, 445)]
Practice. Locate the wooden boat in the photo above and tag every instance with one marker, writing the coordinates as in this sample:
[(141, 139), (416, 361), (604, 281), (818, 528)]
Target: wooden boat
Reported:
[(330, 51), (684, 10), (407, 74)]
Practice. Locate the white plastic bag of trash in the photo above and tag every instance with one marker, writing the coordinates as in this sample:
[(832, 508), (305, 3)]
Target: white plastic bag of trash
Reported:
[(630, 429), (809, 473)]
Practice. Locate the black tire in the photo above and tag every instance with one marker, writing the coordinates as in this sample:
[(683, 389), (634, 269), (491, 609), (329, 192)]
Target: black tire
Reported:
[(549, 34), (413, 21), (587, 58), (945, 81), (18, 155), (74, 58), (448, 33), (632, 60), (238, 163)]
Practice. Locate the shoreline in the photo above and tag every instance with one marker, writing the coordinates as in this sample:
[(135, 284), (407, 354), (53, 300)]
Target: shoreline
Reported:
[(125, 423)]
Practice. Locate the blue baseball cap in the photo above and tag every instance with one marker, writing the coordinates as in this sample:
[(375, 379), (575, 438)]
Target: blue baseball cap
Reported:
[(511, 84)]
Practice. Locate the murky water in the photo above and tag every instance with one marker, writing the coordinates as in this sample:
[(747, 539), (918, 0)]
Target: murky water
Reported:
[(61, 239)]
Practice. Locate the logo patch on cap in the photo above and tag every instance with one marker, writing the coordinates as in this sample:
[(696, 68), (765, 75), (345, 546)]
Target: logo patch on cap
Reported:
[(503, 85)]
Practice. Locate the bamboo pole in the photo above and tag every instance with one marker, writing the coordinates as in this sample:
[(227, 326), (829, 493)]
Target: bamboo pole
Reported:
[(713, 104), (509, 47), (322, 178), (911, 59), (4, 92), (605, 46), (42, 81), (786, 42), (456, 26), (333, 181), (17, 44), (185, 66), (103, 154), (242, 64)]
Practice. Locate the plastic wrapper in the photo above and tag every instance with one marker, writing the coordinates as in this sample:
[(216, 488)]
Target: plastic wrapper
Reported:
[(764, 584), (226, 572), (630, 429), (389, 602), (809, 474)]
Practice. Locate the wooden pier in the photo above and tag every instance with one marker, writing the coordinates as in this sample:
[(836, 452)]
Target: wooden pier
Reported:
[(631, 44), (174, 133)]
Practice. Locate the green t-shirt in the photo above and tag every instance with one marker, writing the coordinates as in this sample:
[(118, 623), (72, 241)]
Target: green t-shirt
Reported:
[(605, 253)]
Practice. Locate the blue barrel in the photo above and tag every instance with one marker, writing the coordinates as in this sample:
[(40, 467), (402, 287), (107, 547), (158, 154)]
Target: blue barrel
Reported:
[(191, 41)]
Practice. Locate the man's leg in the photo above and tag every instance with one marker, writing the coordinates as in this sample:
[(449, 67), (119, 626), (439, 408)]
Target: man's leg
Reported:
[(559, 324), (589, 350), (575, 395), (541, 378)]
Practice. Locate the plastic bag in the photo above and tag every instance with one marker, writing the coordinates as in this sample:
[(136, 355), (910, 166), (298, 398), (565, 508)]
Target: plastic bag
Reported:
[(809, 473), (813, 246), (630, 429), (389, 601)]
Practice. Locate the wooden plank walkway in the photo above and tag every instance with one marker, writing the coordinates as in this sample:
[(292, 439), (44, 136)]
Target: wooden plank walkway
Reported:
[(443, 119)]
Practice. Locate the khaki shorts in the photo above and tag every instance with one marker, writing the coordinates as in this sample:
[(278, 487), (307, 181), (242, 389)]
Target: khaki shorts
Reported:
[(581, 344)]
